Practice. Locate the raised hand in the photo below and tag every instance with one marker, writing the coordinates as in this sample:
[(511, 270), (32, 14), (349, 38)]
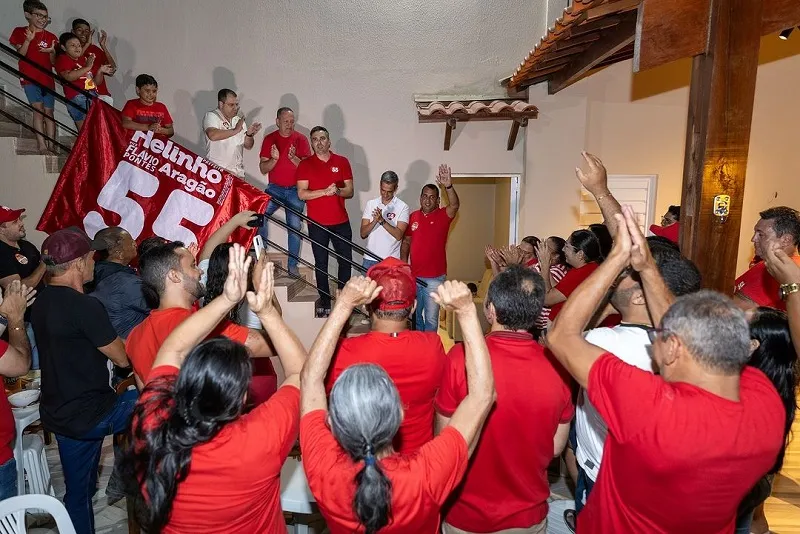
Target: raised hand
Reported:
[(30, 295), (193, 249), (639, 251), (494, 257), (358, 291), (260, 300), (106, 69), (454, 296), (595, 180), (444, 177), (377, 215), (238, 269), (14, 301), (90, 60), (254, 129), (782, 267), (30, 35), (512, 254), (544, 256), (292, 151), (239, 125), (50, 49), (274, 153), (91, 35), (103, 39), (242, 218)]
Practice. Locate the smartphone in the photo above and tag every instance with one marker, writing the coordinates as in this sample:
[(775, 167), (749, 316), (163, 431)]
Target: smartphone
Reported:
[(257, 221), (258, 245)]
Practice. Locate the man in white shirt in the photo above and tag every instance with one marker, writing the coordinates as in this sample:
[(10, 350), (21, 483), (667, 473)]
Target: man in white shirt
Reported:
[(384, 222), (227, 135)]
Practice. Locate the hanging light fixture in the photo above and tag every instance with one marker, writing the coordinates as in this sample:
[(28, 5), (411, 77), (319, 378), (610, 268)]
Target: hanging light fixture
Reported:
[(786, 33)]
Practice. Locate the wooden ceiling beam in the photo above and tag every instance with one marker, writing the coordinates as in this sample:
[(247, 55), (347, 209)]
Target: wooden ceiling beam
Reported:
[(671, 30), (612, 42), (779, 15), (612, 8)]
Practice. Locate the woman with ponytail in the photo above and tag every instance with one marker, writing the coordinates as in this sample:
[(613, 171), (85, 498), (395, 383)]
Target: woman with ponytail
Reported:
[(359, 482), (198, 463)]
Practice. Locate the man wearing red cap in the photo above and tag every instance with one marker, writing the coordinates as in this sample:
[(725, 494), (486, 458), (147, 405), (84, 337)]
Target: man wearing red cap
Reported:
[(19, 260), (526, 429), (413, 360), (77, 344)]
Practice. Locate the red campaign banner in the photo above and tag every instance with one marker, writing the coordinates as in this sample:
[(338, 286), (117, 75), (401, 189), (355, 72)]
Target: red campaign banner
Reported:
[(144, 183)]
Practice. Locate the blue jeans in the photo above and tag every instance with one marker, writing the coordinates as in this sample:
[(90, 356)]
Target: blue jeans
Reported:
[(36, 94), (288, 196), (427, 314), (743, 524), (367, 263), (34, 347), (78, 112), (80, 459), (583, 488), (8, 479)]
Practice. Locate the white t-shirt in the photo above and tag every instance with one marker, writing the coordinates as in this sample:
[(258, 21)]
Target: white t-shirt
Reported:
[(379, 240), (228, 153), (246, 316), (630, 344)]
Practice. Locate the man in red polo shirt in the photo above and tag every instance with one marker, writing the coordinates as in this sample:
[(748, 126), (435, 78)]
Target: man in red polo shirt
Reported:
[(779, 227), (526, 429), (686, 445), (670, 225), (414, 361), (426, 242), (324, 181), (102, 56), (281, 154)]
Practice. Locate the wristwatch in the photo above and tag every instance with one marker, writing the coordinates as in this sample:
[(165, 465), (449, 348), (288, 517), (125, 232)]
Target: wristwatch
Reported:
[(787, 289)]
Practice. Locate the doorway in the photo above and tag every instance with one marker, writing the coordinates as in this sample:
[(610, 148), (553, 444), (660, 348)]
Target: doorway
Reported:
[(488, 215)]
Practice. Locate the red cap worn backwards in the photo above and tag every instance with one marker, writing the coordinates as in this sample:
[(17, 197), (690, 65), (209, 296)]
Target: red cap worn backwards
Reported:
[(8, 214), (399, 287)]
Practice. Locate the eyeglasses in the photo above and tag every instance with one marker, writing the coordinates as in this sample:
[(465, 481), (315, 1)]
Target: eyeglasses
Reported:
[(654, 333), (41, 16)]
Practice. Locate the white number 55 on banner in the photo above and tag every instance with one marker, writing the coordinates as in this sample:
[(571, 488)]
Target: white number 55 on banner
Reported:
[(178, 206)]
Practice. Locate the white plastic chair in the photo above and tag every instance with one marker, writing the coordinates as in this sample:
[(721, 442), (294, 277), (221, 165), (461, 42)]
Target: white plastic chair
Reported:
[(35, 463), (12, 513)]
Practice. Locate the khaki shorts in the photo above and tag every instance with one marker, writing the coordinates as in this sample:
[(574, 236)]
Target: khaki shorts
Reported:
[(541, 528)]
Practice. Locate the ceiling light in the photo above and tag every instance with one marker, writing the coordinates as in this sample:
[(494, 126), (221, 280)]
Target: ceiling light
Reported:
[(785, 33)]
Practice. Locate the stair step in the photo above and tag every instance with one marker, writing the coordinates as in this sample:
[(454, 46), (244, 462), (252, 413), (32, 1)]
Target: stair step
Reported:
[(29, 145), (12, 129), (299, 291)]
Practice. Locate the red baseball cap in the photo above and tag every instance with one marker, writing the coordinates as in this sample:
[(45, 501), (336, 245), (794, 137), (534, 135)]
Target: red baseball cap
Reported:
[(399, 286), (66, 245), (7, 214)]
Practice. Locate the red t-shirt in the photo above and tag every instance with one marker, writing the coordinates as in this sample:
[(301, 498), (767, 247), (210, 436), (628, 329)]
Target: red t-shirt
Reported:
[(428, 233), (509, 465), (570, 283), (65, 63), (284, 172), (677, 459), (420, 482), (320, 174), (147, 337), (144, 114), (234, 482), (758, 285), (7, 429), (100, 59), (415, 362), (43, 39), (671, 232)]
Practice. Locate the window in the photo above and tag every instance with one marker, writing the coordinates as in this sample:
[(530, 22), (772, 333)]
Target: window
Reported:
[(639, 191)]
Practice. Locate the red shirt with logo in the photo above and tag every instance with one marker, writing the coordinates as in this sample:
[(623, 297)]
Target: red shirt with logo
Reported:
[(415, 362), (509, 466), (677, 459), (100, 59), (140, 112), (420, 482), (428, 233), (570, 283), (43, 39), (7, 428), (284, 173), (64, 63), (319, 175), (758, 285)]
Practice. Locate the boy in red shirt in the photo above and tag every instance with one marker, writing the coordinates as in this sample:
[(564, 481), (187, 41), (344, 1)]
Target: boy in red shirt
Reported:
[(685, 446), (145, 113), (78, 69), (102, 56), (415, 361), (39, 47)]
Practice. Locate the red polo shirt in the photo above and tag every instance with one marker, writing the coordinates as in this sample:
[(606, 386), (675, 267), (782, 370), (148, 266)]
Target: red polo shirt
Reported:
[(100, 59), (671, 232), (284, 172), (570, 283), (234, 483), (7, 428), (510, 463), (428, 233), (42, 39), (415, 362), (144, 114), (759, 286), (677, 459), (320, 174), (64, 63), (420, 482)]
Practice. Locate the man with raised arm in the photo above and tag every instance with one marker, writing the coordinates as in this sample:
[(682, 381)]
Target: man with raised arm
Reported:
[(227, 135), (685, 446)]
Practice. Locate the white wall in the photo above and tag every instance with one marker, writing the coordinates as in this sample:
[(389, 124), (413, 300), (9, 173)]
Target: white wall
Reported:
[(637, 125), (352, 66)]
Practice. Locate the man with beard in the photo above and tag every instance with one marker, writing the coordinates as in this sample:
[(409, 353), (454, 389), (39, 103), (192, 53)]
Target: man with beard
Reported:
[(778, 228), (171, 278)]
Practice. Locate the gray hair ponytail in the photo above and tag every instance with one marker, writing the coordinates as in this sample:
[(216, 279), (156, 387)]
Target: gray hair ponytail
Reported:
[(366, 412)]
